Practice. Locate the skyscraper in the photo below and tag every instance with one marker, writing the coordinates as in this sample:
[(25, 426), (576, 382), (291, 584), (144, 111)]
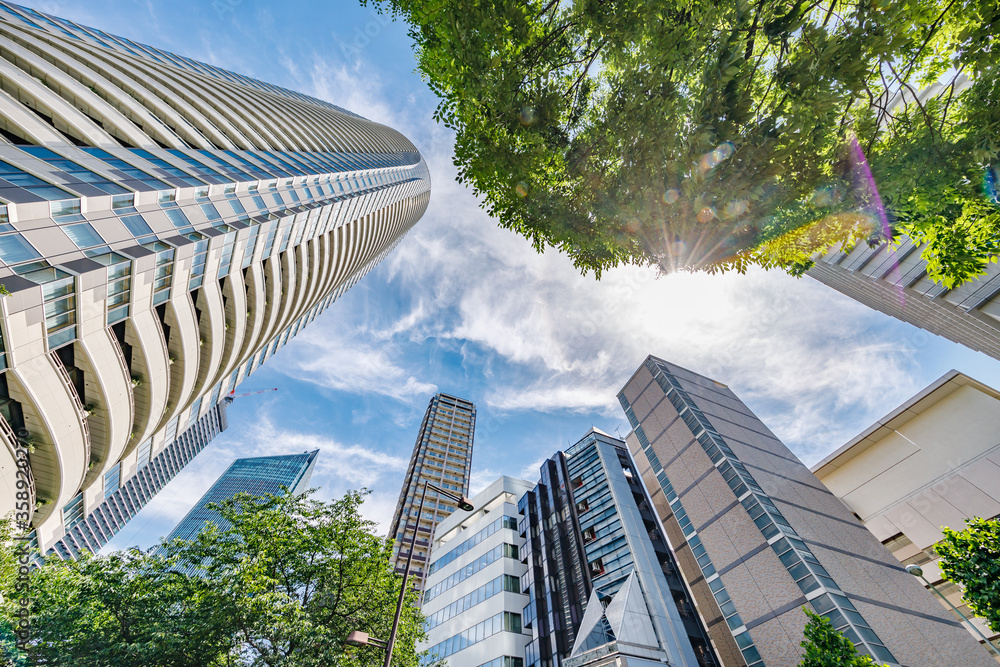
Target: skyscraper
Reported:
[(442, 455), (894, 281), (165, 227), (758, 537), (603, 586), (258, 476)]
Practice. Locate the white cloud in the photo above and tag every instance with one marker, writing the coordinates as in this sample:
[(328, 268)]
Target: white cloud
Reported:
[(348, 361)]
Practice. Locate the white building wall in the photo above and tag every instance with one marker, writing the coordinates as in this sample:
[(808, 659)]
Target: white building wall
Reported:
[(498, 500)]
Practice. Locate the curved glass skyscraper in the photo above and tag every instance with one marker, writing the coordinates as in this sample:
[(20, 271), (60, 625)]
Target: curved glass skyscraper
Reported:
[(165, 227)]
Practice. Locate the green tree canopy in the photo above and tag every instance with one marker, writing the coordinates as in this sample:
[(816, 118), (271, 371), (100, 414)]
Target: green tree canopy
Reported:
[(281, 587), (826, 647), (721, 134), (971, 559)]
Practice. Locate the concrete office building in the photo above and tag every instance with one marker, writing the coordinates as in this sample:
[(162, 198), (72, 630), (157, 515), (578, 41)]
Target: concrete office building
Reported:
[(895, 282), (442, 455), (473, 599), (165, 227), (259, 476), (758, 537), (604, 588), (934, 461)]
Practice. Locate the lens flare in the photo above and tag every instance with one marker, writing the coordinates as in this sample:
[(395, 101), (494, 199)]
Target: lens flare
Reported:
[(706, 214), (713, 158), (528, 116), (735, 208), (521, 189), (671, 196)]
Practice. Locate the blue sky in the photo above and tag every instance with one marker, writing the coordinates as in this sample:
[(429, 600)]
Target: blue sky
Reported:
[(464, 307)]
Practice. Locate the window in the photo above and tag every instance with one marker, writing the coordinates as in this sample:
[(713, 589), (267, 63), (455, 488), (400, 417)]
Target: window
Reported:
[(163, 275), (119, 285), (14, 249), (136, 225), (596, 567), (198, 263), (83, 235), (112, 479), (143, 455), (36, 186), (179, 220), (73, 511)]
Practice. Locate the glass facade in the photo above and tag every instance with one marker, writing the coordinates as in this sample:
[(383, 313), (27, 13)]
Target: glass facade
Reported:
[(257, 476), (588, 526)]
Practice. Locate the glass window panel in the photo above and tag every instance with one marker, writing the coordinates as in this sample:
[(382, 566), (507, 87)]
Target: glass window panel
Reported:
[(83, 235), (136, 225), (14, 249)]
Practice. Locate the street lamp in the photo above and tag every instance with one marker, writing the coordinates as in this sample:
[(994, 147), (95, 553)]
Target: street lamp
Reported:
[(357, 638), (918, 571)]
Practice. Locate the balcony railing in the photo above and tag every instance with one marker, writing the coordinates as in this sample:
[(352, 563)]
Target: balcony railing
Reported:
[(71, 390), (10, 441), (124, 369)]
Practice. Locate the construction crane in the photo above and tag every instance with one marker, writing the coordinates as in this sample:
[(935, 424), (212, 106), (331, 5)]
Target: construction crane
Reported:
[(233, 395)]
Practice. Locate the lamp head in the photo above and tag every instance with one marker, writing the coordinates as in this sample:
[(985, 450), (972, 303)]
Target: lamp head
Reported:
[(357, 638), (465, 505), (915, 570)]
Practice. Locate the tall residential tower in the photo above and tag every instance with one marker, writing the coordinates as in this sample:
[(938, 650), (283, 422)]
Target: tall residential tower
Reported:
[(442, 455), (165, 227)]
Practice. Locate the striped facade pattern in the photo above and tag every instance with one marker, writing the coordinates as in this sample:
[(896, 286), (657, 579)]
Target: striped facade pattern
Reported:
[(894, 281), (165, 227)]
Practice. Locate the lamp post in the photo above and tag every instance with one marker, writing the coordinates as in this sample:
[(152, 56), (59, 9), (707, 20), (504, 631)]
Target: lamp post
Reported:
[(357, 638), (918, 571)]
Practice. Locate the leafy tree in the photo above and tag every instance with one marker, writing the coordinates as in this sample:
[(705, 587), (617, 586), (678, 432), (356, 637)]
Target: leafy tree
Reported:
[(971, 559), (722, 134), (281, 586), (826, 647)]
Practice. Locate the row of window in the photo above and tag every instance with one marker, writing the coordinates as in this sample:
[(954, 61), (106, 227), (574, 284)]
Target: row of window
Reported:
[(500, 551), (502, 583), (503, 622), (500, 523)]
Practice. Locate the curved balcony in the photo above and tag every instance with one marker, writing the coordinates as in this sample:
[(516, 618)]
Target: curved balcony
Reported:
[(10, 472), (75, 397)]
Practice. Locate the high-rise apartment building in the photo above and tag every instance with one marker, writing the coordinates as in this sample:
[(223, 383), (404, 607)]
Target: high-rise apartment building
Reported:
[(259, 476), (442, 455), (473, 598), (758, 537), (894, 281), (165, 227), (603, 586), (934, 461)]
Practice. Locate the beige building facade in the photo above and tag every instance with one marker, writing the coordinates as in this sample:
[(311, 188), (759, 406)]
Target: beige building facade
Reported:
[(165, 227), (933, 461)]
